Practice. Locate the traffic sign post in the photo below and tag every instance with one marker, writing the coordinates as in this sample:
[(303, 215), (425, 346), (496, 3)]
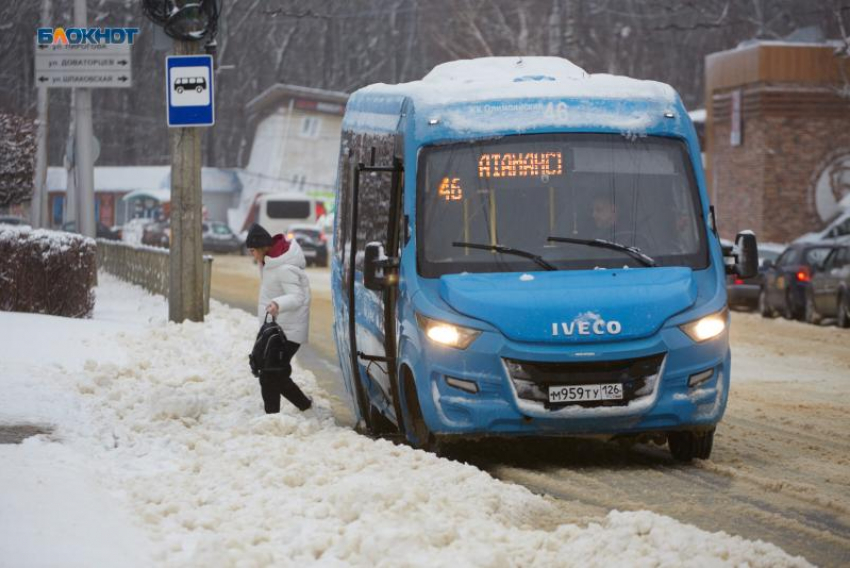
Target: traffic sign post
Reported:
[(189, 90), (189, 93), (190, 104), (83, 65)]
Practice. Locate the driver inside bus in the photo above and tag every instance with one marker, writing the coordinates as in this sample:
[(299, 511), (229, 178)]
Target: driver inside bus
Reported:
[(604, 219)]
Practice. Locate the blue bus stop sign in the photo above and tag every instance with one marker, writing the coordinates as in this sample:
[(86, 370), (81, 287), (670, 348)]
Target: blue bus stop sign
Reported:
[(189, 90)]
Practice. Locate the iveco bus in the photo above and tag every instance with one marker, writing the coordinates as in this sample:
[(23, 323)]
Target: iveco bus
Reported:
[(525, 249)]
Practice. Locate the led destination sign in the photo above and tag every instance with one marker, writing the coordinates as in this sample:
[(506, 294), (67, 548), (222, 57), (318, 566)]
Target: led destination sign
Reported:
[(522, 164)]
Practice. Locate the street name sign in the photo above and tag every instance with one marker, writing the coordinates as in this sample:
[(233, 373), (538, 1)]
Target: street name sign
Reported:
[(189, 90), (83, 65)]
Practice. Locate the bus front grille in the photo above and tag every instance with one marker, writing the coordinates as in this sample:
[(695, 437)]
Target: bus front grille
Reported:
[(532, 379)]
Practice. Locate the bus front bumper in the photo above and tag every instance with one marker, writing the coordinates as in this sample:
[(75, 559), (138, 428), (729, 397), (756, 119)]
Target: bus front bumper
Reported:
[(678, 397)]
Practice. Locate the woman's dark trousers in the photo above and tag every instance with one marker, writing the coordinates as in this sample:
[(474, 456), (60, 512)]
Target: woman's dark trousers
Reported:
[(279, 382)]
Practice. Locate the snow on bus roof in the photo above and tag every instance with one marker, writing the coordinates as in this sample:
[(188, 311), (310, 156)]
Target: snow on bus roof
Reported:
[(489, 78), (514, 93)]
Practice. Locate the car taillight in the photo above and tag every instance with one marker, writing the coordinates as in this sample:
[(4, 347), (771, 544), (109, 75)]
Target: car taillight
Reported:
[(803, 275), (738, 281), (322, 237)]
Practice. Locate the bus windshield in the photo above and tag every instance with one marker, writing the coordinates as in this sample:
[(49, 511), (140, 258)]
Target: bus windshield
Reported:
[(518, 191)]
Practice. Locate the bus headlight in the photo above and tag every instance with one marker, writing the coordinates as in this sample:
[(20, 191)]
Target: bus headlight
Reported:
[(706, 327), (445, 333)]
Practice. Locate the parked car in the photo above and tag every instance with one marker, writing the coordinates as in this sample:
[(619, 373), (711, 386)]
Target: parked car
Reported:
[(829, 292), (157, 234), (837, 232), (744, 293), (313, 242), (12, 220), (219, 238), (101, 231), (784, 284)]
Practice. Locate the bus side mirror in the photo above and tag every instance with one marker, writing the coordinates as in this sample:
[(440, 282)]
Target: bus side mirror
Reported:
[(746, 256), (378, 270)]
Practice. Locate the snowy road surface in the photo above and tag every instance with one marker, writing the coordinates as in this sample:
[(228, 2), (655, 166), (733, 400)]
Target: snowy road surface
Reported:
[(780, 470), (159, 454)]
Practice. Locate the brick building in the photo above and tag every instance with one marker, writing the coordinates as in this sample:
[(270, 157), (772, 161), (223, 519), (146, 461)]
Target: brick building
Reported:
[(777, 137)]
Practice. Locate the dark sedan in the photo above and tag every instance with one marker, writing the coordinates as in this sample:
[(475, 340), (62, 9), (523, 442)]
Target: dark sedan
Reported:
[(313, 243), (784, 284), (157, 234), (12, 220), (828, 295), (219, 238)]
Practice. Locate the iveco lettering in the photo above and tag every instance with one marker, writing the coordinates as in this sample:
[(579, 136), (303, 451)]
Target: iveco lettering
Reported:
[(524, 249)]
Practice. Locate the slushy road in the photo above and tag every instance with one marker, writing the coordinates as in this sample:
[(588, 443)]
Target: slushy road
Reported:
[(780, 470)]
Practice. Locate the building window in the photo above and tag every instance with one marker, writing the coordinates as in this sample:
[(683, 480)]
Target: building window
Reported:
[(57, 213), (310, 126)]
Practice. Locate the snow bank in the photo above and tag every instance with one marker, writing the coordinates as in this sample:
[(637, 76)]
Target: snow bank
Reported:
[(53, 512), (170, 420)]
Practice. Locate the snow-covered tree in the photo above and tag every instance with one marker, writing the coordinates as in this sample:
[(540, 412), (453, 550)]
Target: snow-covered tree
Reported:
[(17, 158)]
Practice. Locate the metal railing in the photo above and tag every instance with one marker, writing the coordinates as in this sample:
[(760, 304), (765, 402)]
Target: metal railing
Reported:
[(144, 266)]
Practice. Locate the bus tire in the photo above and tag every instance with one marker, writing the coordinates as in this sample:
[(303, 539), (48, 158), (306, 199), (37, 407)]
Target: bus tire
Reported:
[(424, 439), (179, 90), (686, 446)]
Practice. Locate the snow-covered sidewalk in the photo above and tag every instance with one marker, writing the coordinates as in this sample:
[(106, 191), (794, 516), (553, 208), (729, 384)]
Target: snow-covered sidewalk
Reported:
[(159, 454)]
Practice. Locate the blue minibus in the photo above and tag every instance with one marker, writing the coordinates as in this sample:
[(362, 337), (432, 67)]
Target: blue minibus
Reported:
[(526, 249)]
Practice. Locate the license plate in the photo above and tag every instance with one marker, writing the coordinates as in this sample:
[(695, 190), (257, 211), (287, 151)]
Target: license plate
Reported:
[(309, 253), (585, 393)]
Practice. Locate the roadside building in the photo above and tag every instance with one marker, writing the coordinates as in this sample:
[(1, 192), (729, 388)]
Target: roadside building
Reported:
[(294, 148), (777, 137), (127, 192)]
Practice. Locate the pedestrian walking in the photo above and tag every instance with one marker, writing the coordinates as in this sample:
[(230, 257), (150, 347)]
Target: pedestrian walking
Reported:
[(285, 295)]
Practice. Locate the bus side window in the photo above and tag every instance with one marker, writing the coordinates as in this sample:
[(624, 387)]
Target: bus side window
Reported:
[(373, 215)]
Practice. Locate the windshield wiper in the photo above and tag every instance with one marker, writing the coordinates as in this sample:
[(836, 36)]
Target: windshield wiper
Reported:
[(508, 250), (633, 252)]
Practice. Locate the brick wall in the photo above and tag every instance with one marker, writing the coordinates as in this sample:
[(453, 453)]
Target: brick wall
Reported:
[(737, 172), (798, 150), (767, 183)]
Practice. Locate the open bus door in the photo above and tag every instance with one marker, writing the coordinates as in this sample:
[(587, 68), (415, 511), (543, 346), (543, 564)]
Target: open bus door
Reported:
[(372, 297)]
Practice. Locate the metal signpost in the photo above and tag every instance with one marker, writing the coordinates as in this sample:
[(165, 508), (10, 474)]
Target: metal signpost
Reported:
[(83, 65), (189, 101), (80, 65)]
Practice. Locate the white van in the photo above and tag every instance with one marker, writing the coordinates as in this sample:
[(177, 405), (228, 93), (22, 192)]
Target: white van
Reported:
[(277, 211)]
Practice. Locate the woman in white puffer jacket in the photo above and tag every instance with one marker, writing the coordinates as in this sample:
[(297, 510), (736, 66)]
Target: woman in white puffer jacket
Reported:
[(285, 294)]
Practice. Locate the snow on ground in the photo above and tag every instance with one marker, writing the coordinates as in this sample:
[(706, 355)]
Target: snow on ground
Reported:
[(160, 454)]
